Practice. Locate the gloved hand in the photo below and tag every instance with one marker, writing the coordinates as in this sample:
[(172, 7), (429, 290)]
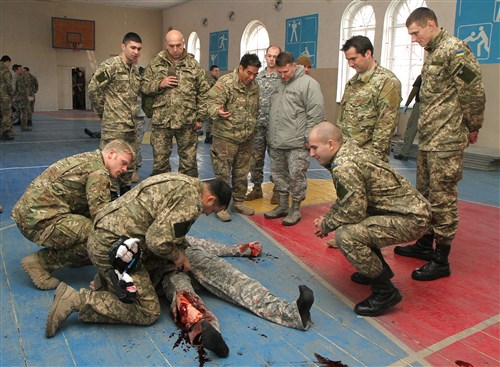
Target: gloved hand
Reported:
[(124, 286), (405, 108), (125, 255)]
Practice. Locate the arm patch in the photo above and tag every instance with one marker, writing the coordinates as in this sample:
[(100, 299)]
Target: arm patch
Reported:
[(341, 190), (101, 77), (182, 228), (465, 73)]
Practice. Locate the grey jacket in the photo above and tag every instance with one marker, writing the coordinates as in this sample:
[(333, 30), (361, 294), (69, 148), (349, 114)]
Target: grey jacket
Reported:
[(296, 106)]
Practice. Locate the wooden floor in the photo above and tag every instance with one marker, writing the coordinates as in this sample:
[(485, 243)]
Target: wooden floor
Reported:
[(448, 322)]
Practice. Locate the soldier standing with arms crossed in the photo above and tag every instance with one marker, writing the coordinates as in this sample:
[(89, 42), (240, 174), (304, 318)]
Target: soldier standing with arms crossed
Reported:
[(452, 102)]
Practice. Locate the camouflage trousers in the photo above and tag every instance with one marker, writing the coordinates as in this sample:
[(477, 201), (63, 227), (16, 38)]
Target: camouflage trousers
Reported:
[(226, 282), (231, 162), (162, 143), (130, 137), (103, 305), (139, 131), (21, 113), (259, 155), (289, 168), (65, 241), (356, 240), (438, 175), (6, 114)]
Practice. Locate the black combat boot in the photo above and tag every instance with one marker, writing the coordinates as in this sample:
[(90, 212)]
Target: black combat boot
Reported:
[(438, 267), (384, 295), (212, 340), (359, 278), (422, 249)]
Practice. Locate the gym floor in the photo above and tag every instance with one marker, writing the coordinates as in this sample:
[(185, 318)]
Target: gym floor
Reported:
[(448, 322)]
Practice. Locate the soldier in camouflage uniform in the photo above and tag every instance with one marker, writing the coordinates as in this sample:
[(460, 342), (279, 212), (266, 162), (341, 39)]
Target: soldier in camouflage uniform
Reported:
[(57, 209), (158, 213), (296, 106), (375, 207), (113, 90), (452, 102), (178, 84), (267, 81), (33, 89), (233, 105), (20, 100), (226, 282), (6, 93), (370, 104)]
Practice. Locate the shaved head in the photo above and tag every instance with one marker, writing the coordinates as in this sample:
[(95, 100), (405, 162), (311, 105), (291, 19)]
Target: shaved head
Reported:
[(325, 139), (327, 130), (174, 44)]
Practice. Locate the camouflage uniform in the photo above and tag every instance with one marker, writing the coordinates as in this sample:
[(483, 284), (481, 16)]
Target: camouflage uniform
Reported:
[(232, 147), (113, 90), (226, 282), (159, 212), (452, 102), (139, 119), (211, 82), (370, 110), (296, 106), (267, 84), (20, 101), (33, 89), (6, 93), (57, 208), (175, 110), (375, 207)]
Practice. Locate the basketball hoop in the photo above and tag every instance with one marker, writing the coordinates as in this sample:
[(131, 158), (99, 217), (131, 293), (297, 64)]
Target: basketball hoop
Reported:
[(76, 46)]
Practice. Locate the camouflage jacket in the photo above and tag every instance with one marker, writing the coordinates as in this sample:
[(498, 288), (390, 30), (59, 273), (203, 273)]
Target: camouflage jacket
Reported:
[(367, 186), (113, 90), (177, 107), (452, 98), (243, 103), (33, 84), (21, 87), (267, 84), (6, 88), (370, 109), (296, 106), (159, 212), (79, 184)]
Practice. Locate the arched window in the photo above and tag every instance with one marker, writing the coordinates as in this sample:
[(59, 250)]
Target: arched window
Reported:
[(193, 45), (399, 54), (358, 20), (255, 40)]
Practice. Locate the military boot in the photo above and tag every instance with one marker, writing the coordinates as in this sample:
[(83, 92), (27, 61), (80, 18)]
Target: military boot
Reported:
[(293, 216), (438, 267), (304, 304), (212, 340), (242, 208), (281, 210), (223, 216), (66, 301), (40, 271), (384, 295), (422, 249), (275, 199), (359, 278), (255, 194)]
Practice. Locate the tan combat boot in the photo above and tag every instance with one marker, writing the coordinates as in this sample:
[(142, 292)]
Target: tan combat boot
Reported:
[(242, 208), (293, 216), (66, 301), (255, 194), (275, 199), (223, 216), (39, 272), (281, 210), (332, 243)]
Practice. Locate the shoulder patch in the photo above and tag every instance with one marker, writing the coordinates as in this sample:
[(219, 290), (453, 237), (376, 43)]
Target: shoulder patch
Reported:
[(341, 190), (182, 228), (219, 85), (101, 77), (459, 53)]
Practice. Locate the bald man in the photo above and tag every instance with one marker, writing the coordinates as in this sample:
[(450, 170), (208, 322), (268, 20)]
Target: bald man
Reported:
[(375, 207), (178, 84)]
